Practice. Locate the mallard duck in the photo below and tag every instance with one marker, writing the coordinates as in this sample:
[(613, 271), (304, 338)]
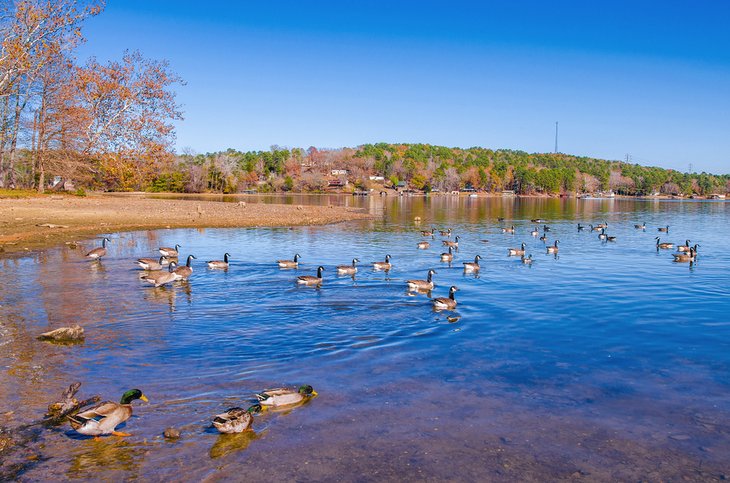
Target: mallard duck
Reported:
[(348, 269), (383, 265), (685, 247), (220, 264), (516, 251), (152, 263), (236, 420), (169, 252), (686, 256), (445, 303), (422, 284), (186, 270), (285, 396), (449, 243), (663, 246), (534, 232), (640, 227), (509, 230), (447, 257), (664, 229), (289, 263), (310, 279), (472, 266), (162, 277), (445, 233), (526, 260), (99, 252), (553, 248), (106, 416), (424, 245)]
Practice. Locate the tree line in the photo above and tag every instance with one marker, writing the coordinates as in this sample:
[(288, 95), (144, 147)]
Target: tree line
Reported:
[(104, 125)]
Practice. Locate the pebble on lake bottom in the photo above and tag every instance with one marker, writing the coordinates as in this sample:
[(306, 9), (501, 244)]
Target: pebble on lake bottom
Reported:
[(171, 433)]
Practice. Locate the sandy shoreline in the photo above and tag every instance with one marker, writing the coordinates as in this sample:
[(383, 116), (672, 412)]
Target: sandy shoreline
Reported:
[(30, 224)]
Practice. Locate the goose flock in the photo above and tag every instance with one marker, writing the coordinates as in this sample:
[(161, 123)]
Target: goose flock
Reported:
[(161, 270)]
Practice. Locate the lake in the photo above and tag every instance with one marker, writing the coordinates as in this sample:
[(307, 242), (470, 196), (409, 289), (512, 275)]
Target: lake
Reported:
[(606, 362)]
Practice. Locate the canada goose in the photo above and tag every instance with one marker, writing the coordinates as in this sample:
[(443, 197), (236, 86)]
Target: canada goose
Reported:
[(444, 303), (449, 243), (553, 248), (445, 233), (310, 279), (664, 229), (597, 227), (663, 246), (151, 263), (545, 228), (509, 230), (98, 252), (447, 257), (289, 263), (348, 269), (641, 227), (220, 264), (162, 277), (383, 265), (186, 270), (537, 220), (603, 225), (602, 235), (285, 397), (169, 252), (526, 260), (424, 245), (472, 266), (428, 232), (684, 248), (422, 284), (517, 251), (500, 219), (235, 420), (581, 227), (534, 232), (106, 416), (685, 257), (543, 238), (611, 238)]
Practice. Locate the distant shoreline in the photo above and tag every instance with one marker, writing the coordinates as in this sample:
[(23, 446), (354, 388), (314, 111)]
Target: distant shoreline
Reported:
[(34, 223)]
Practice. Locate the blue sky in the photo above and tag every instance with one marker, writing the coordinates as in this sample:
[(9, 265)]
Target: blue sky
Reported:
[(648, 79)]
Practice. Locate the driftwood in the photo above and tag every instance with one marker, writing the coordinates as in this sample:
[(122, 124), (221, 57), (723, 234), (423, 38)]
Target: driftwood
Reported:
[(67, 405)]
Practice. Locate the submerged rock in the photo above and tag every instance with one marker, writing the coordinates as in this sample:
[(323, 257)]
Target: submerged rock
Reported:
[(64, 334), (171, 433)]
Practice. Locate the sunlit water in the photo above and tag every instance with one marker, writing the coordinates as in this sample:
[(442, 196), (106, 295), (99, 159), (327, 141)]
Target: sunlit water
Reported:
[(608, 361)]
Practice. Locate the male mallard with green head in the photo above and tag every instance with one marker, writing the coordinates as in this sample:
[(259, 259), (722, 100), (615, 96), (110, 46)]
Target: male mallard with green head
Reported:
[(106, 416), (285, 397)]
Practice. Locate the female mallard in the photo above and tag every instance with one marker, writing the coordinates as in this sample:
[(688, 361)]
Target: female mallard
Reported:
[(640, 227), (509, 230), (446, 303), (106, 416), (285, 397), (422, 284), (526, 260), (554, 248), (663, 246), (289, 263), (664, 229), (517, 251), (383, 265), (686, 256), (348, 269), (220, 264), (236, 420), (169, 252), (186, 270), (424, 245), (472, 266), (685, 247), (151, 263), (447, 257), (310, 279), (99, 252), (449, 243), (162, 277), (534, 232)]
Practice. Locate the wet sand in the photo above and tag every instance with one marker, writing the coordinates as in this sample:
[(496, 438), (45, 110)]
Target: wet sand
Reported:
[(30, 224)]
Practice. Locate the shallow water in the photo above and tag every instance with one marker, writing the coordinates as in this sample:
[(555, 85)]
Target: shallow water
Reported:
[(606, 362)]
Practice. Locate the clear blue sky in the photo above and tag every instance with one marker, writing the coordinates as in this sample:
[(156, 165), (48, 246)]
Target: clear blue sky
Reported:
[(651, 79)]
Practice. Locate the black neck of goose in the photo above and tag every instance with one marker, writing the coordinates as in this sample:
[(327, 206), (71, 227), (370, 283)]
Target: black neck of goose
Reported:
[(429, 277), (319, 272), (225, 258), (476, 260), (190, 260), (451, 294)]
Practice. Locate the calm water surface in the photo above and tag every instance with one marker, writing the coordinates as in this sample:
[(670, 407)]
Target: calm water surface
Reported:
[(606, 362)]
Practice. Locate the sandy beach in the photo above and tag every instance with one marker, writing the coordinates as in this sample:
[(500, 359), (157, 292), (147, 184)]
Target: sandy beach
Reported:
[(34, 223)]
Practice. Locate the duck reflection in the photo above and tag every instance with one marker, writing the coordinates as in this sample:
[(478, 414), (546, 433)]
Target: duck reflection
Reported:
[(105, 454), (233, 443)]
